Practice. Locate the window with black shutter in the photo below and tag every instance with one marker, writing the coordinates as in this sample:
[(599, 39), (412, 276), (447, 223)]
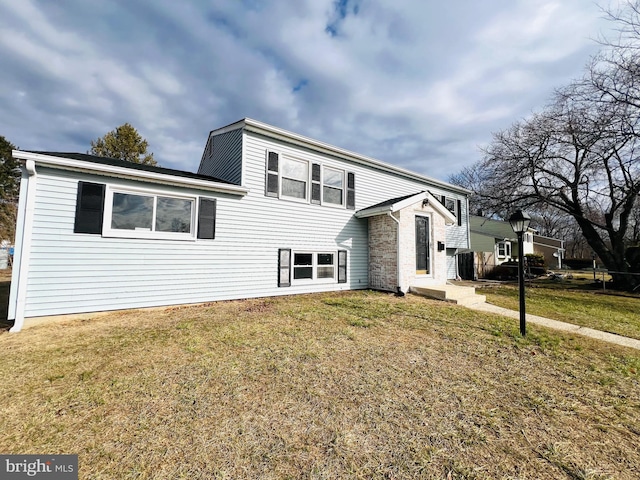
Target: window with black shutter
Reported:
[(89, 208), (272, 174), (459, 213), (207, 219), (284, 267)]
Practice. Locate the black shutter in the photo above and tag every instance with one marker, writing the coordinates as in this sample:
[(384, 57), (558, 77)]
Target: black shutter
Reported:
[(89, 208), (342, 266), (459, 213), (207, 219), (315, 183), (284, 267), (351, 191), (442, 200), (272, 174)]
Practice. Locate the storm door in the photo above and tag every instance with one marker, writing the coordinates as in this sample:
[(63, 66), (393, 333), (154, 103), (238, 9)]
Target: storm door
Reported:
[(422, 245)]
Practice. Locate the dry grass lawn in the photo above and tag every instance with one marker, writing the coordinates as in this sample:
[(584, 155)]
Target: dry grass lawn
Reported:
[(577, 301), (352, 385)]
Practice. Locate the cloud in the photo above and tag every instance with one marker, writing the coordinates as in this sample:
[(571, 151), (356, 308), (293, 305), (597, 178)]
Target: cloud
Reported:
[(417, 84)]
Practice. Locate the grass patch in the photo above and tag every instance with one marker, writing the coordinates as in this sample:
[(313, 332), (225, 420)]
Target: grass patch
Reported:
[(576, 302), (341, 385)]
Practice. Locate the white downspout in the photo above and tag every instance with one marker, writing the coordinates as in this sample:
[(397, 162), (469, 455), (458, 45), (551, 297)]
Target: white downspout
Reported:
[(399, 273), (25, 247)]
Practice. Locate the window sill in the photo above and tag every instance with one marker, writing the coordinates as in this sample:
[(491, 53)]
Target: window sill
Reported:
[(146, 235)]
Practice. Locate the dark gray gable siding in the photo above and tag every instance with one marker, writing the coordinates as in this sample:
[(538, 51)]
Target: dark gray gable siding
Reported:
[(222, 157)]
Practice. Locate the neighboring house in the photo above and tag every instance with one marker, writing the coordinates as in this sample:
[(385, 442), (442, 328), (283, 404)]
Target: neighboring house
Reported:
[(551, 248), (493, 242), (269, 213)]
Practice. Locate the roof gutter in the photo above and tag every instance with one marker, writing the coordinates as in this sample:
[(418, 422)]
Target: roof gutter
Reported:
[(123, 172)]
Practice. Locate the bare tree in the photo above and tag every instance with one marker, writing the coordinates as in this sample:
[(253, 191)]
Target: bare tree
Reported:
[(580, 157)]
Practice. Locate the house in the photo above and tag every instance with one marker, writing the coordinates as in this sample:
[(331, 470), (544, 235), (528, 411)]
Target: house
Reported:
[(493, 243), (552, 249), (269, 212)]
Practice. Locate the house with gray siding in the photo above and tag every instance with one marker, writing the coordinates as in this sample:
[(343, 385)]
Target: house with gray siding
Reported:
[(269, 212), (493, 243)]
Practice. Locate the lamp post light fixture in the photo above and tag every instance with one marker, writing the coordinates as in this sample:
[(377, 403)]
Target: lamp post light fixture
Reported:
[(519, 223)]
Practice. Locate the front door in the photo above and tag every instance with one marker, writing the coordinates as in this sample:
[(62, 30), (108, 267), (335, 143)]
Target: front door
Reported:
[(422, 245)]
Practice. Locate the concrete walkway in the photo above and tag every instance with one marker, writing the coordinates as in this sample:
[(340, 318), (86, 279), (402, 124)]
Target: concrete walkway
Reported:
[(555, 324)]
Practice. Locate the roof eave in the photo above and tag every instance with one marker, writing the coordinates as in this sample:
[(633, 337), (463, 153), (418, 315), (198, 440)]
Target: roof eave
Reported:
[(450, 219), (122, 172)]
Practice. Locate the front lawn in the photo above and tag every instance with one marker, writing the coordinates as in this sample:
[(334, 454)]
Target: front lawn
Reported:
[(574, 301), (346, 385)]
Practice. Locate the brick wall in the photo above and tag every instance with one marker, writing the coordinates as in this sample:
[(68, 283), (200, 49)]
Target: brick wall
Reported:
[(383, 264)]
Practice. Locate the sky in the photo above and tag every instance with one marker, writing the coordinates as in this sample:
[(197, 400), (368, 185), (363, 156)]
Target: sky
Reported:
[(419, 84)]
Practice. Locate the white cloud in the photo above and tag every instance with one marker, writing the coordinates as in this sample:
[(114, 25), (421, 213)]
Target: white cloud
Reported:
[(416, 83)]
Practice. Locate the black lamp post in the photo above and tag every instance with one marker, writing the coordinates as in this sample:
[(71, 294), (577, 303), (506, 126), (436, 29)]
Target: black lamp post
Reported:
[(520, 222)]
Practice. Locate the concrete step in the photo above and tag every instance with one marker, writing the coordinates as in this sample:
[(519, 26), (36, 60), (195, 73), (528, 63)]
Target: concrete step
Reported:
[(451, 293)]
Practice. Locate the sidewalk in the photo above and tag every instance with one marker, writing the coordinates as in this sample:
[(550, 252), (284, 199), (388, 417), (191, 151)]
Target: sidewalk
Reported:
[(556, 325)]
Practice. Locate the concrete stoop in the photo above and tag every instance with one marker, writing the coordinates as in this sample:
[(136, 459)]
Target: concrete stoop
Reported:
[(451, 293)]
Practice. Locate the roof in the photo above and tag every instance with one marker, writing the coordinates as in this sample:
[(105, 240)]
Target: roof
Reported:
[(390, 202), (395, 204), (270, 131), (85, 157), (491, 228), (122, 169)]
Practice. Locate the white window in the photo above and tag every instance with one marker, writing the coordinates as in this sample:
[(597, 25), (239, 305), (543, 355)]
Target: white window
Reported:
[(144, 214), (450, 205), (333, 186), (304, 181), (295, 178), (504, 249), (312, 266)]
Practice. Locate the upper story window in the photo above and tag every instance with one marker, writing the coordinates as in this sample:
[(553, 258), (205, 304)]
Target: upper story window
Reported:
[(141, 213), (450, 205), (305, 181), (454, 206), (294, 178), (333, 186)]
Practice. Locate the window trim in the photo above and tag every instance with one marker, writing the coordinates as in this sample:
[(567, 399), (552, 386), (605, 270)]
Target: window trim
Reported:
[(507, 246), (314, 280), (108, 231), (343, 172), (281, 177), (455, 211)]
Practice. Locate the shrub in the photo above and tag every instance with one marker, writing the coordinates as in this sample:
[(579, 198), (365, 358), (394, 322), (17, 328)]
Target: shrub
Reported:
[(535, 264), (506, 271), (578, 263)]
